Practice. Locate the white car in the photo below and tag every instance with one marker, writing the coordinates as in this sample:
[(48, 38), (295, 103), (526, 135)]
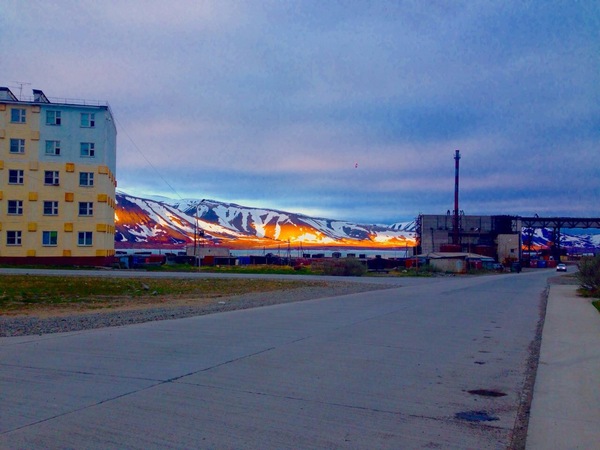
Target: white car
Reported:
[(561, 267)]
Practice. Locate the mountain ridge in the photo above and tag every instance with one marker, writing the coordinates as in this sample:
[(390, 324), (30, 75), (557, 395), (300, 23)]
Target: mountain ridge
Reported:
[(158, 221), (164, 221)]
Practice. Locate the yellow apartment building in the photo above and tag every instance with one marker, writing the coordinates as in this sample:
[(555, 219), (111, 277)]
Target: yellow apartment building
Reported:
[(57, 181)]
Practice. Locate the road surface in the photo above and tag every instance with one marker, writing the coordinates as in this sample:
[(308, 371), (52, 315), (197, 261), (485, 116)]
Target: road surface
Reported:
[(384, 369)]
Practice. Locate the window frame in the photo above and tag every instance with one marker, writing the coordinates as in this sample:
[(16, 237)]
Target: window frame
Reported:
[(85, 239), (16, 206), (86, 209), (20, 176), (89, 179), (14, 238), (90, 122), (49, 238), (21, 113), (17, 143), (50, 208), (52, 148), (53, 175), (87, 149), (53, 117)]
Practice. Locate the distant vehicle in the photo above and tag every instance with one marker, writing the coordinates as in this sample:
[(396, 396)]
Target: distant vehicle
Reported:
[(498, 267), (561, 267)]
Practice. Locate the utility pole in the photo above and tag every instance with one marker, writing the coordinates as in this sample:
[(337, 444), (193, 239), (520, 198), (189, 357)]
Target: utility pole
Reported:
[(197, 233), (196, 236)]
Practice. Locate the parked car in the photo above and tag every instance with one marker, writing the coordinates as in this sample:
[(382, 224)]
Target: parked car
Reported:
[(561, 267)]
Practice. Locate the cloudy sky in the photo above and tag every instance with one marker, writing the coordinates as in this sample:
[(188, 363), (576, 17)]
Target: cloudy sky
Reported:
[(342, 109)]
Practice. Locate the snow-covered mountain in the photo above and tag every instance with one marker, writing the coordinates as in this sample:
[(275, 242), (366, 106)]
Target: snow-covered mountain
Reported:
[(161, 221), (543, 237)]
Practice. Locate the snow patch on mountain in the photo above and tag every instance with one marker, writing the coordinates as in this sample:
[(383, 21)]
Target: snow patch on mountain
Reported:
[(179, 221), (159, 219)]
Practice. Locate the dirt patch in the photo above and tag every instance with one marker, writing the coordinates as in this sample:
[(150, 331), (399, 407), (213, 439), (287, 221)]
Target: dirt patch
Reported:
[(114, 304), (45, 319), (570, 279)]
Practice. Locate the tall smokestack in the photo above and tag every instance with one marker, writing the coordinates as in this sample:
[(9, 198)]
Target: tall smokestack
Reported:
[(456, 221)]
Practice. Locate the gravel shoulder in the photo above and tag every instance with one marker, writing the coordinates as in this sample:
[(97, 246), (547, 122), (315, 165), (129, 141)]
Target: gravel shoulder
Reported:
[(60, 320)]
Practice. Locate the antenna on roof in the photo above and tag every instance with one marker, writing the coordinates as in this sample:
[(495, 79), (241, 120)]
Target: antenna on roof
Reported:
[(21, 84)]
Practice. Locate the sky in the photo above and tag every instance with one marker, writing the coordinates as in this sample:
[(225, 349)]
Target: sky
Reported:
[(349, 110)]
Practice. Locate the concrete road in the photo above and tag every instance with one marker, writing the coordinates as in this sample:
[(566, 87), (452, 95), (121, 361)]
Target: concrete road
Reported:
[(385, 369)]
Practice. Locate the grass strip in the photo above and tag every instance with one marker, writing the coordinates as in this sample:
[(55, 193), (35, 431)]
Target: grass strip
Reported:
[(29, 291)]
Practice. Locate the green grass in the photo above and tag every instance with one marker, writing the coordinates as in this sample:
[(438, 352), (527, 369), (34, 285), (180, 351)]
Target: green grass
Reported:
[(592, 294), (260, 269), (587, 293), (251, 269), (17, 291)]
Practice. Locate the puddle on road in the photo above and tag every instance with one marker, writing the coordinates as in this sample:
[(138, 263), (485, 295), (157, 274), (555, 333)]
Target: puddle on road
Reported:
[(487, 393)]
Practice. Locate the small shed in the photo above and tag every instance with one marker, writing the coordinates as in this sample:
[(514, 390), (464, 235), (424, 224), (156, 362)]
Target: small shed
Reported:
[(457, 262), (202, 252)]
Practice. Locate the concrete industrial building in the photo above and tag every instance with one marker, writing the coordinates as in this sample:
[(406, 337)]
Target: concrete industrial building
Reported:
[(57, 180), (498, 237)]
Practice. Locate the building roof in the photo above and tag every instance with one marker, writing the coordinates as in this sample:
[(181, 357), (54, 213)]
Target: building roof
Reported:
[(7, 96), (455, 255)]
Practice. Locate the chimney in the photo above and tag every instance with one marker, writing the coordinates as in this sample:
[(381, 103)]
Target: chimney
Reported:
[(456, 224)]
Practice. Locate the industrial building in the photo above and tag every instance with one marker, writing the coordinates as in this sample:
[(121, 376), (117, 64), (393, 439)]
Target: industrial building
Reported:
[(463, 236), (498, 237), (57, 180)]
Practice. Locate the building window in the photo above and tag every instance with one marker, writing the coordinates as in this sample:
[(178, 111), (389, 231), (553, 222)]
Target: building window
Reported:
[(50, 208), (13, 237), (86, 178), (16, 176), (88, 149), (86, 208), (18, 115), (51, 178), (53, 148), (88, 120), (50, 238), (52, 117), (15, 207), (84, 238), (17, 146)]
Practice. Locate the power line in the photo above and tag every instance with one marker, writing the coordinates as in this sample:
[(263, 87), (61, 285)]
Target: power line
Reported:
[(146, 159)]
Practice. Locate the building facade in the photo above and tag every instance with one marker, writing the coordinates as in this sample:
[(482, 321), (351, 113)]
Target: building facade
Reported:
[(57, 181), (498, 237)]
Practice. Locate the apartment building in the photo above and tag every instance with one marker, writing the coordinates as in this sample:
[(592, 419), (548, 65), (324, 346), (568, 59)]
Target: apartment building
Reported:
[(57, 181)]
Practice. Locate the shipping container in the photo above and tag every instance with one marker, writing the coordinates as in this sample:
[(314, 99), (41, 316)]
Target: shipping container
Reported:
[(450, 248), (485, 250)]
